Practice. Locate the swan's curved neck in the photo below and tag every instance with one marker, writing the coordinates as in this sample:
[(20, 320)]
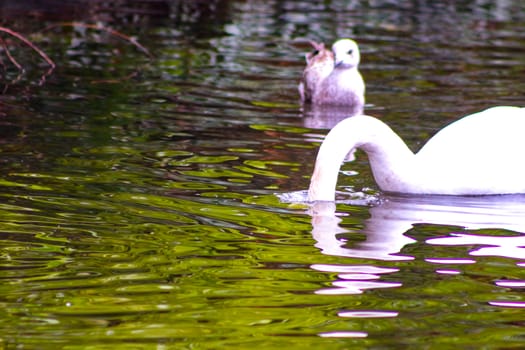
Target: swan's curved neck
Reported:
[(391, 160)]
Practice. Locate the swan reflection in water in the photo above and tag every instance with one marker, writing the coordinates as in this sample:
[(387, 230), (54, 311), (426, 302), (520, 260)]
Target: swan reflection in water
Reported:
[(326, 117), (389, 221)]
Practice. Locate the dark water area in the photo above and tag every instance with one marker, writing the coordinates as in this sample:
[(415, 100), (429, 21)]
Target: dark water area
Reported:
[(156, 202)]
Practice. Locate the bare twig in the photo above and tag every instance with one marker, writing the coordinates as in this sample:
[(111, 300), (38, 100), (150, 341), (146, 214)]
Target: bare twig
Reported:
[(1, 60), (9, 56), (28, 43), (105, 29)]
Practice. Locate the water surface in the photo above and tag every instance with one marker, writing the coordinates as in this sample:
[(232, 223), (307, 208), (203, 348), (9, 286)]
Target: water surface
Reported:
[(146, 202)]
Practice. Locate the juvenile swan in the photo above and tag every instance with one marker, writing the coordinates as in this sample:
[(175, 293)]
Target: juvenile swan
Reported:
[(319, 64), (480, 154), (344, 86)]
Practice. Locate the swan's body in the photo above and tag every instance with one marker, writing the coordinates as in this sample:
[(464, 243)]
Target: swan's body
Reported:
[(480, 154), (332, 78), (319, 64)]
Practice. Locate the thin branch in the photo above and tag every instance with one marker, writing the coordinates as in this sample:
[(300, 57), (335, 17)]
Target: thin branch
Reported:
[(105, 29), (9, 56), (30, 44), (1, 60)]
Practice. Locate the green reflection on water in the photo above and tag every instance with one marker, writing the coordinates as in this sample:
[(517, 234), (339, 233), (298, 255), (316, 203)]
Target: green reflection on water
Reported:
[(137, 213)]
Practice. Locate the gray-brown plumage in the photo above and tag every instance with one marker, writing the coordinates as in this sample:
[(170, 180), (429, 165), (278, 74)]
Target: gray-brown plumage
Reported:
[(319, 64)]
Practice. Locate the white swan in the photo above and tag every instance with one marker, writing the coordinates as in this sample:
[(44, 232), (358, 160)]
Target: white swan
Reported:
[(480, 154), (344, 86)]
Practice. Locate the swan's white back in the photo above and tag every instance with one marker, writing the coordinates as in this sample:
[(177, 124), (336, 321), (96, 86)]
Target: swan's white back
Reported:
[(479, 154), (482, 153)]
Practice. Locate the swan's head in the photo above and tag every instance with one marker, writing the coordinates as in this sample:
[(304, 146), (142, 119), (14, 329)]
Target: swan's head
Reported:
[(346, 53), (320, 55)]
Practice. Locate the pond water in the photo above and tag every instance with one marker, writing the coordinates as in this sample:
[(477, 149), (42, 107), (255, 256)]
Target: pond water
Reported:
[(156, 203)]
